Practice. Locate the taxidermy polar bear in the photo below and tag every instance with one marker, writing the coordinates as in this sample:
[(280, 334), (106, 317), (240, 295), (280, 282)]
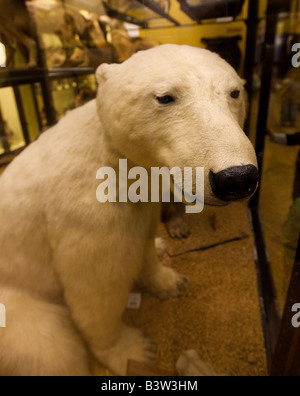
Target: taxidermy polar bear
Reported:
[(67, 262)]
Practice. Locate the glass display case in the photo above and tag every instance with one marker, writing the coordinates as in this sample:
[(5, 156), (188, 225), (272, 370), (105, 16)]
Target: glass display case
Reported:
[(275, 208), (47, 68), (52, 71), (69, 93), (11, 132), (144, 11), (20, 118)]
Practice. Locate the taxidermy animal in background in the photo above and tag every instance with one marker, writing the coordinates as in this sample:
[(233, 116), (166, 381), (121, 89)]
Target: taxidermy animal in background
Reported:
[(6, 135), (67, 37), (16, 28), (123, 44)]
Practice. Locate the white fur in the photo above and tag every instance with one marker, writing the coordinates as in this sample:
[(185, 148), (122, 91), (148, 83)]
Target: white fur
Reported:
[(67, 262)]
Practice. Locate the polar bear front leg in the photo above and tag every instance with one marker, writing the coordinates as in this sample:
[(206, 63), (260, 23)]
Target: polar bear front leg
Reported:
[(163, 282), (96, 294)]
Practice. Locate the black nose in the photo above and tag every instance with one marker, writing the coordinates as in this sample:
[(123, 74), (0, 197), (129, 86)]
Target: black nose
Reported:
[(234, 183)]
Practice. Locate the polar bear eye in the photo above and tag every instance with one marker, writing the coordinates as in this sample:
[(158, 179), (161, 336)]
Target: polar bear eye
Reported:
[(165, 99), (235, 94)]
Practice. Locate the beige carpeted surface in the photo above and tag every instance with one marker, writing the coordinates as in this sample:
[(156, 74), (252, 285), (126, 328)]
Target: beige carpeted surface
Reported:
[(219, 315)]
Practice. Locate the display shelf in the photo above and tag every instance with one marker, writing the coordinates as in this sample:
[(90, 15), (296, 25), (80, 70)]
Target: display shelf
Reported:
[(13, 77), (156, 8), (282, 350), (141, 12), (206, 19), (121, 16), (286, 362), (70, 72), (29, 76), (212, 10)]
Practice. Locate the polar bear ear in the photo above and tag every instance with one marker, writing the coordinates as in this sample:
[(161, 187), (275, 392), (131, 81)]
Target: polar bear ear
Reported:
[(103, 72)]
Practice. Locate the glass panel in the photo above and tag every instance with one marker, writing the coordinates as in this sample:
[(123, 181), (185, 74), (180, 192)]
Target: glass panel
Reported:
[(40, 107), (134, 9), (69, 93), (201, 10), (12, 139), (64, 94), (280, 193), (30, 110)]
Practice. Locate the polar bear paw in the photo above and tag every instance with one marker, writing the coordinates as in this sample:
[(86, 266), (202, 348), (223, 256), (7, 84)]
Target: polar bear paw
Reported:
[(167, 283), (191, 365), (132, 345), (178, 228), (161, 247)]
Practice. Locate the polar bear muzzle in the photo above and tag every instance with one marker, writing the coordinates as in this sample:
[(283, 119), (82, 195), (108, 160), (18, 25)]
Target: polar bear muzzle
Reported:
[(234, 183)]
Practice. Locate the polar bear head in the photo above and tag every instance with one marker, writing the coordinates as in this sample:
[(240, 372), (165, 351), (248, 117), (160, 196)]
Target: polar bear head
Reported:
[(180, 106)]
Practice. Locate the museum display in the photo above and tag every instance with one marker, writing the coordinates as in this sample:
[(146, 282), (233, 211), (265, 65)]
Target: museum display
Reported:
[(149, 190)]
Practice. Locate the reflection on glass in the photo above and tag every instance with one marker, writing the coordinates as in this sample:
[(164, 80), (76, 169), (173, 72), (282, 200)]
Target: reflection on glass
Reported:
[(280, 193), (276, 208)]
